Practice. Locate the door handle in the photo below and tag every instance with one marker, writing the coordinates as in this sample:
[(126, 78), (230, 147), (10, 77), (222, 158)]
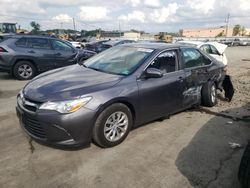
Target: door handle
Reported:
[(58, 54), (31, 51)]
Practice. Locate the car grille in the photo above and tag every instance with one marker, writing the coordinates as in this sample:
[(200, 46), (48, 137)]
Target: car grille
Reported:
[(34, 127)]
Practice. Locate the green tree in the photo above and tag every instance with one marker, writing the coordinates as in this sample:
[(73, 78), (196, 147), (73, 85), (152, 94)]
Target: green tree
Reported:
[(36, 27), (242, 31), (236, 29)]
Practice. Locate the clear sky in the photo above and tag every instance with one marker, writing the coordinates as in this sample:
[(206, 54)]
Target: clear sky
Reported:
[(148, 15)]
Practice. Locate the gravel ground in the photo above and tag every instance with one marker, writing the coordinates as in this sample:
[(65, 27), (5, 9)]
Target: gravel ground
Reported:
[(191, 149)]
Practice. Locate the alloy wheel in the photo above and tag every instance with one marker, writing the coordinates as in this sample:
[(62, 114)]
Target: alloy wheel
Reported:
[(116, 126), (25, 71)]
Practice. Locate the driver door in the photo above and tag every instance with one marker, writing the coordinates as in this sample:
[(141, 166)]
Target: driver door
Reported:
[(161, 96)]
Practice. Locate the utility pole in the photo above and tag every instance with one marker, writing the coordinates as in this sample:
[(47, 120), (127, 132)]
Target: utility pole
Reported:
[(119, 29), (74, 24), (227, 23)]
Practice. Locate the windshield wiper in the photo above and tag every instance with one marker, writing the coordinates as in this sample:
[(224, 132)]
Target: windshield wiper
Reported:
[(105, 71), (96, 69)]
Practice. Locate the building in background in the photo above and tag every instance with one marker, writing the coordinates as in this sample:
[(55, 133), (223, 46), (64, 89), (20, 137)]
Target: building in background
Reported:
[(132, 35), (247, 31), (207, 32)]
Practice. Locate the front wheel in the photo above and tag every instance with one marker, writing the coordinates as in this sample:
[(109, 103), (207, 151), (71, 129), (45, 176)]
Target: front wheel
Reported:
[(209, 94), (112, 125)]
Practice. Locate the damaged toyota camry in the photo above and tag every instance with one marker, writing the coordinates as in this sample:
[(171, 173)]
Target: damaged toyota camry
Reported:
[(106, 96)]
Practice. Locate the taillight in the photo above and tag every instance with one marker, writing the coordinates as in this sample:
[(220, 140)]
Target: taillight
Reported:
[(2, 50)]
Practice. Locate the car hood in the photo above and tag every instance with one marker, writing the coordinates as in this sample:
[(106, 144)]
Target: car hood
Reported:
[(68, 83)]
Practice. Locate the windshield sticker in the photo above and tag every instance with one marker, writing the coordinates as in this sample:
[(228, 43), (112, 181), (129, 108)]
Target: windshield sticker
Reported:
[(144, 50)]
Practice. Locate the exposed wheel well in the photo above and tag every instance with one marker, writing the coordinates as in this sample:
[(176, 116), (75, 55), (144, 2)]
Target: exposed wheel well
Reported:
[(128, 104), (18, 60)]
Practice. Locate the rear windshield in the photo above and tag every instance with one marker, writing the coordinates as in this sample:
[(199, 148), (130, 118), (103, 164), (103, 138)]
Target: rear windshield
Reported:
[(3, 38)]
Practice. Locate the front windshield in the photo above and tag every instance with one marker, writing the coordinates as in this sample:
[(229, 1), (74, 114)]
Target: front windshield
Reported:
[(119, 60)]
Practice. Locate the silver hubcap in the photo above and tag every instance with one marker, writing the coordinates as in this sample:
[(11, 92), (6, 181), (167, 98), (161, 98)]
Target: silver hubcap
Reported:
[(213, 93), (25, 71), (116, 126)]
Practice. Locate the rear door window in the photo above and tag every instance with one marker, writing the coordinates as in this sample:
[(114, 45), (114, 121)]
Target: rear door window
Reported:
[(206, 48), (38, 43), (214, 50), (61, 46), (22, 42), (193, 58)]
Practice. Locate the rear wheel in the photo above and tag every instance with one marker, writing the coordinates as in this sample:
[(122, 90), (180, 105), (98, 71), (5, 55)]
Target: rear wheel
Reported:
[(24, 70), (244, 169), (209, 94), (112, 125)]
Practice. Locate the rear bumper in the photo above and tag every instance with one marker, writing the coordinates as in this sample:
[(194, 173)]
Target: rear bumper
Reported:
[(4, 65), (4, 68), (52, 128)]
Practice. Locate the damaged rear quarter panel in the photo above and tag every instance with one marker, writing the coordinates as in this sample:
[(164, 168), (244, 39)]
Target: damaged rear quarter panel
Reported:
[(196, 77)]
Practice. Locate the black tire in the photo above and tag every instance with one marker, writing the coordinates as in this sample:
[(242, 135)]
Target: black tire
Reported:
[(98, 131), (29, 70), (209, 94), (244, 169)]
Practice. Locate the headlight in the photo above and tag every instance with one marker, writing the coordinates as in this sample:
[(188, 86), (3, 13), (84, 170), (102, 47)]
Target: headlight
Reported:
[(21, 94), (66, 106)]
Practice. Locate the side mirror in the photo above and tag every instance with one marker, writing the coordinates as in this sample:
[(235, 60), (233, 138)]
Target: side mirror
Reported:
[(153, 73)]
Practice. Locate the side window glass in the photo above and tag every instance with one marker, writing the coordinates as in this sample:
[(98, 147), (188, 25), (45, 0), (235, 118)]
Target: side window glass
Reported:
[(21, 42), (59, 45), (38, 43), (166, 62), (206, 48), (193, 58), (214, 50)]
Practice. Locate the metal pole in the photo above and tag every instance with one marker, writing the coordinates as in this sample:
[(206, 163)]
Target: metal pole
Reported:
[(119, 29), (74, 24), (227, 22)]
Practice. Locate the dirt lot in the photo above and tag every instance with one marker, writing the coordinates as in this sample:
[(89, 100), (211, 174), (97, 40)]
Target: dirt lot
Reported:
[(191, 149)]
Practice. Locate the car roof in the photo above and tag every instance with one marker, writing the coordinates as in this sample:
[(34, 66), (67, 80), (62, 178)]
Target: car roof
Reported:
[(30, 36), (112, 41), (96, 41), (196, 43), (155, 46), (116, 41)]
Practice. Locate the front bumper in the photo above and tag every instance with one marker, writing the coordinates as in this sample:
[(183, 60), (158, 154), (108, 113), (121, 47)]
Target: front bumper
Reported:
[(57, 129)]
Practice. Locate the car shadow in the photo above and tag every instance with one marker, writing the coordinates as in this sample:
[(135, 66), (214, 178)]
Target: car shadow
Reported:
[(6, 76), (208, 160)]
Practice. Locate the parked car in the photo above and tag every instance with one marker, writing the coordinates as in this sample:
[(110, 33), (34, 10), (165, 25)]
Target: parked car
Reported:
[(116, 90), (152, 41), (113, 43), (215, 49), (76, 44), (244, 169), (231, 42), (96, 46), (24, 56), (244, 43)]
